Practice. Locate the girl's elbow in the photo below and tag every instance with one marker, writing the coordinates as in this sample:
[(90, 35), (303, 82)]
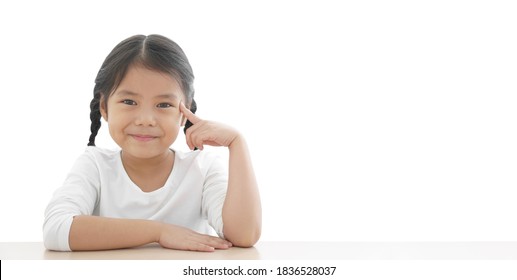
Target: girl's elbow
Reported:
[(51, 241), (56, 232), (244, 240)]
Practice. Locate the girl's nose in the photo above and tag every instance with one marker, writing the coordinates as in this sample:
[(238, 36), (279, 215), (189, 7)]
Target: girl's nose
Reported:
[(145, 117)]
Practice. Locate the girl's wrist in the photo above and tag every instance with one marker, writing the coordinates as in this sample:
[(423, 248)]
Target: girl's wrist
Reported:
[(156, 230), (237, 141)]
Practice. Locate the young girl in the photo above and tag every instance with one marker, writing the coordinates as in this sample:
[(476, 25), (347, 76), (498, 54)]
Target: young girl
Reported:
[(146, 192)]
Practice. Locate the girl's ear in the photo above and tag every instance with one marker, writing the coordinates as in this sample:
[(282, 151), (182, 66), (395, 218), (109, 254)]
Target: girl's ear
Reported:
[(102, 108)]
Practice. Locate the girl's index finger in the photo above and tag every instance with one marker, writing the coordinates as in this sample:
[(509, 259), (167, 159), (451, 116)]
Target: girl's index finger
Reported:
[(188, 114)]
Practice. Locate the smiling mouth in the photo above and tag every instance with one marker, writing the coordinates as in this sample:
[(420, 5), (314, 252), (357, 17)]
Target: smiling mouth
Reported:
[(143, 138)]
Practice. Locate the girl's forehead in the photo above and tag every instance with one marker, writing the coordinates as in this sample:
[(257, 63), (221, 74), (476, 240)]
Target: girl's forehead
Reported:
[(147, 82), (139, 73)]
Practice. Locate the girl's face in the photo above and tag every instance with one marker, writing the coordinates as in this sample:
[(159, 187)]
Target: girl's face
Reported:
[(143, 113)]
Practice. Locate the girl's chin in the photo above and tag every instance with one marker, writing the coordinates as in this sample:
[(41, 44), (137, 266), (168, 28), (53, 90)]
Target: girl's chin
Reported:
[(143, 153)]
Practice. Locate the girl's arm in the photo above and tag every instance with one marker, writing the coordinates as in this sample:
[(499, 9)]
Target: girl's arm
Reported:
[(101, 233), (242, 213)]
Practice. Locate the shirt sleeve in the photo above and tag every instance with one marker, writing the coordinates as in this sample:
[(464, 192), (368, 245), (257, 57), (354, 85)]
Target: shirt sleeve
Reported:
[(78, 196), (214, 194)]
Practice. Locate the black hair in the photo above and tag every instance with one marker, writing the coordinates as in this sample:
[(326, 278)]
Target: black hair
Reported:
[(154, 52)]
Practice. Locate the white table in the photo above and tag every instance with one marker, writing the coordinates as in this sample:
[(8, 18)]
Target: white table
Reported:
[(284, 251)]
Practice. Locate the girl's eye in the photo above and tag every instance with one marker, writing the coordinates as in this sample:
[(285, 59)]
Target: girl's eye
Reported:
[(164, 105), (128, 102)]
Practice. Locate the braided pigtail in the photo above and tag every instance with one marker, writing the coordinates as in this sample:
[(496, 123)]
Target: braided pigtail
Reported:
[(193, 109), (95, 116)]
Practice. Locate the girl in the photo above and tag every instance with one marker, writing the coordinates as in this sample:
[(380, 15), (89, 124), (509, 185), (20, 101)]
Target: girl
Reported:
[(146, 192)]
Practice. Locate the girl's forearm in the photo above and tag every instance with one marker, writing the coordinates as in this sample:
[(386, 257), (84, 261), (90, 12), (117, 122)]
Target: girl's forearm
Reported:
[(101, 233), (242, 212)]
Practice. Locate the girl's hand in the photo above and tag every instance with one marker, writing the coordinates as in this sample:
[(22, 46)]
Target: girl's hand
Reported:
[(207, 132), (180, 238)]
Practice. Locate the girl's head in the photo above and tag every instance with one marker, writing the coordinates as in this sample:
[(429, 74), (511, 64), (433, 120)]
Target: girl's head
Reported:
[(153, 53)]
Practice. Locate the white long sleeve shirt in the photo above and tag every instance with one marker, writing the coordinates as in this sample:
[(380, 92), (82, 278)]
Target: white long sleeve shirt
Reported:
[(98, 184)]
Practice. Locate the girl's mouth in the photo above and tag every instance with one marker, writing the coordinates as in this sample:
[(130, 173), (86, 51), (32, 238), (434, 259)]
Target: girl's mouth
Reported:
[(143, 138)]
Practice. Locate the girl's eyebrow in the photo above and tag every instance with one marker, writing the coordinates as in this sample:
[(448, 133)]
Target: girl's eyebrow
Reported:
[(161, 96), (126, 92), (167, 96)]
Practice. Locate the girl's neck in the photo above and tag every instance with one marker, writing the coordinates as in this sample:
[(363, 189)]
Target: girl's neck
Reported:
[(149, 174), (144, 166)]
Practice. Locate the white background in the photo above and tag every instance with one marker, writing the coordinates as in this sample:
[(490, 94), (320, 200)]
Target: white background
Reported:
[(366, 120)]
